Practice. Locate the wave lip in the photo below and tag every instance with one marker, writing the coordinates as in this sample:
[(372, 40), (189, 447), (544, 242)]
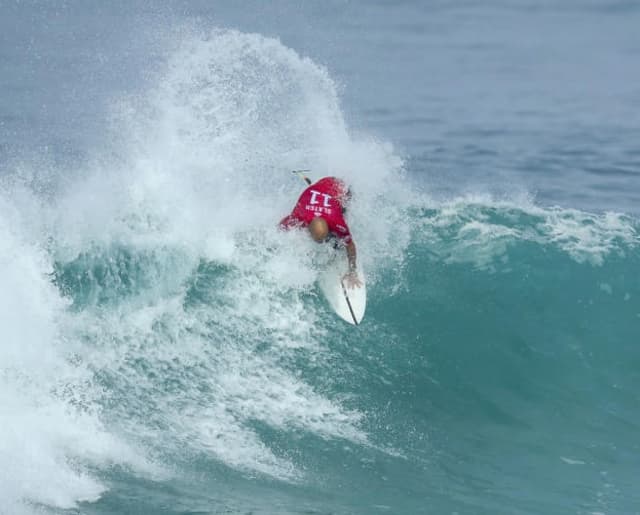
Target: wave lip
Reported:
[(478, 229)]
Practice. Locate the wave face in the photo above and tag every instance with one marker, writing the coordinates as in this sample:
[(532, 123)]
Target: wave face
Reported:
[(165, 348)]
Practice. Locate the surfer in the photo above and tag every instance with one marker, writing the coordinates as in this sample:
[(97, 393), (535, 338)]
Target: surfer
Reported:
[(321, 209)]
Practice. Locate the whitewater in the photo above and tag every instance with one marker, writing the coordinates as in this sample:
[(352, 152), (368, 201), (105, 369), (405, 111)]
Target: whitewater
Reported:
[(166, 349)]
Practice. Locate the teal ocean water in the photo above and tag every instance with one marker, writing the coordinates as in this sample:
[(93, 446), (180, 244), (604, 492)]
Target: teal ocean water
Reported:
[(164, 349)]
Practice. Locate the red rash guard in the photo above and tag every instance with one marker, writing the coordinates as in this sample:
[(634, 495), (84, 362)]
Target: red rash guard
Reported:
[(324, 199)]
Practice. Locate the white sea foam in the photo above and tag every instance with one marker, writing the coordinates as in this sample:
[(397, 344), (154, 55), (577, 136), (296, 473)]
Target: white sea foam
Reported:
[(589, 237), (49, 430), (480, 230)]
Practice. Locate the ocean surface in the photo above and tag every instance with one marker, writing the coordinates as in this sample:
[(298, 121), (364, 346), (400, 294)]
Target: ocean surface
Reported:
[(165, 350)]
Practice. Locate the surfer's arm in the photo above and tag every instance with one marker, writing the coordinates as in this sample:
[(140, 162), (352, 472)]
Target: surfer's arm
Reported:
[(341, 230), (351, 254), (352, 277)]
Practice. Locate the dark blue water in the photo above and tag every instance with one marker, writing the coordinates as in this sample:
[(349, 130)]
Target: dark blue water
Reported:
[(166, 350)]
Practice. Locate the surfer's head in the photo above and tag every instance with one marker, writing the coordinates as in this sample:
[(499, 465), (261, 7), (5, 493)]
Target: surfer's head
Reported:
[(319, 229)]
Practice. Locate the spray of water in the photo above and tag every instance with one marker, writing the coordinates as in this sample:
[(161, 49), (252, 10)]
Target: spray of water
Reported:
[(151, 308)]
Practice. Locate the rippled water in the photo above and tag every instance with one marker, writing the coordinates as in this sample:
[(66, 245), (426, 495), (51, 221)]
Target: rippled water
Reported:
[(166, 350)]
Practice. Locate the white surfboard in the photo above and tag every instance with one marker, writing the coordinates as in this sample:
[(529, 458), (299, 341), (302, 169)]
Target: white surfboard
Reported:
[(348, 303)]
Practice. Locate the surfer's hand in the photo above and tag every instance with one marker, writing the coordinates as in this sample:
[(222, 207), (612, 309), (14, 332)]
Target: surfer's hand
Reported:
[(351, 280)]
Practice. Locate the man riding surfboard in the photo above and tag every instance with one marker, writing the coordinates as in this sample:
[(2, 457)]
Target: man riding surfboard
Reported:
[(320, 209)]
